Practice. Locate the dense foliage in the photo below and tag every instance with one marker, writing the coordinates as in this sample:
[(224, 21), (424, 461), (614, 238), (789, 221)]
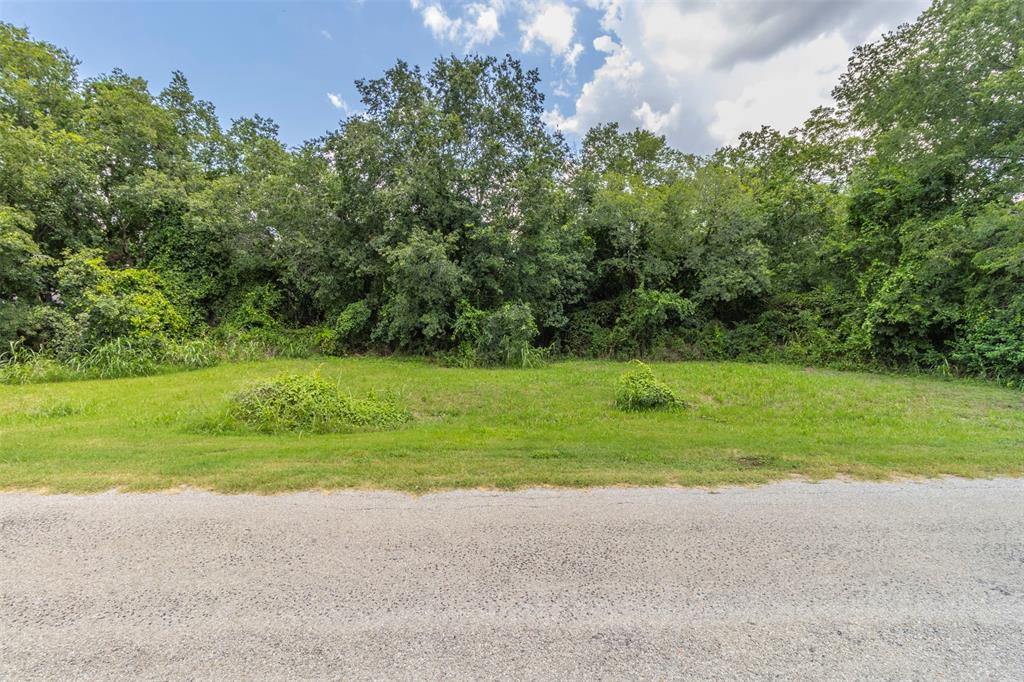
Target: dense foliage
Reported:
[(446, 218)]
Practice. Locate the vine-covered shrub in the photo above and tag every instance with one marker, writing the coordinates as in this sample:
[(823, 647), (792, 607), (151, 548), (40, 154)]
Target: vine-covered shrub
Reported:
[(502, 337), (641, 322), (638, 389), (311, 404), (349, 331), (647, 316), (253, 329), (993, 348), (256, 308), (589, 329), (105, 304)]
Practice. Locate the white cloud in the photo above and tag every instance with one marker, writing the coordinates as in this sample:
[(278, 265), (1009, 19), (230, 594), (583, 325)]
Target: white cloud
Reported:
[(781, 90), (552, 23), (573, 54), (326, 34), (653, 120), (478, 24), (554, 118), (337, 102), (605, 44), (485, 22), (700, 73), (440, 24), (609, 94)]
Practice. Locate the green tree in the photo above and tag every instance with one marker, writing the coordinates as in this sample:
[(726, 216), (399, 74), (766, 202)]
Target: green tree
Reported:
[(937, 102), (37, 80), (714, 229), (423, 292)]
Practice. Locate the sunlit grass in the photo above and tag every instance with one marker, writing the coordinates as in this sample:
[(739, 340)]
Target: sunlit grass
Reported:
[(556, 425)]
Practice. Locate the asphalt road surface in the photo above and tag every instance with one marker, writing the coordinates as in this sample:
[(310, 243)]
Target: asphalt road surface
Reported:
[(831, 581)]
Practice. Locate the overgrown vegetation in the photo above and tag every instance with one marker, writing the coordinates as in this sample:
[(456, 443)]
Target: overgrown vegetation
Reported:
[(137, 234), (311, 404), (503, 337), (638, 389)]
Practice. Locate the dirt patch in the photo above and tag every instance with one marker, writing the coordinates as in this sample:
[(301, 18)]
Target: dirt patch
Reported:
[(754, 461)]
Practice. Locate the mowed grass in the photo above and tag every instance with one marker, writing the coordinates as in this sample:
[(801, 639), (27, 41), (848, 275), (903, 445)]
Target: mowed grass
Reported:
[(555, 425)]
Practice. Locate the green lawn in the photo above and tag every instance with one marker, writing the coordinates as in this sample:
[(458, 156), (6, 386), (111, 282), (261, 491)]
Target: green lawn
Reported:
[(507, 428)]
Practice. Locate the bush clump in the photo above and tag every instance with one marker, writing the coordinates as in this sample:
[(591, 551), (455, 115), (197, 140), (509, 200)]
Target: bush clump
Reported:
[(103, 304), (496, 338), (292, 402), (638, 389)]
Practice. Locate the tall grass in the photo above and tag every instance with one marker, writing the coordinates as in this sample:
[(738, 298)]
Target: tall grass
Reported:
[(123, 357)]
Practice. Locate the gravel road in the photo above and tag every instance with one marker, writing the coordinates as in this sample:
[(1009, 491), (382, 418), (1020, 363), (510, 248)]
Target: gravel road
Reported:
[(836, 581)]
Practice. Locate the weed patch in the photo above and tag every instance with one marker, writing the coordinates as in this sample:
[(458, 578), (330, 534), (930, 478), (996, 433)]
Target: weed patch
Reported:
[(638, 389), (55, 409), (310, 404)]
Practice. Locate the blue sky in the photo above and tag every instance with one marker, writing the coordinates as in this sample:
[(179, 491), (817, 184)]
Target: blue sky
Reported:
[(698, 72)]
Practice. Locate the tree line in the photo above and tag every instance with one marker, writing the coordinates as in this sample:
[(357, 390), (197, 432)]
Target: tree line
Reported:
[(446, 218)]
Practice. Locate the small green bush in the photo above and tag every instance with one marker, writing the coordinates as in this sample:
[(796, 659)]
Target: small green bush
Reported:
[(637, 389), (292, 402)]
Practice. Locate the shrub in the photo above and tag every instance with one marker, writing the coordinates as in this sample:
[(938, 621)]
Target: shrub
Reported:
[(501, 337), (108, 304), (646, 318), (639, 390), (350, 331), (588, 333), (993, 347), (255, 308), (291, 402), (46, 326)]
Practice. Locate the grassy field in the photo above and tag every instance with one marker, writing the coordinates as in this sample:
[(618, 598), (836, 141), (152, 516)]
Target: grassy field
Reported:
[(556, 425)]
